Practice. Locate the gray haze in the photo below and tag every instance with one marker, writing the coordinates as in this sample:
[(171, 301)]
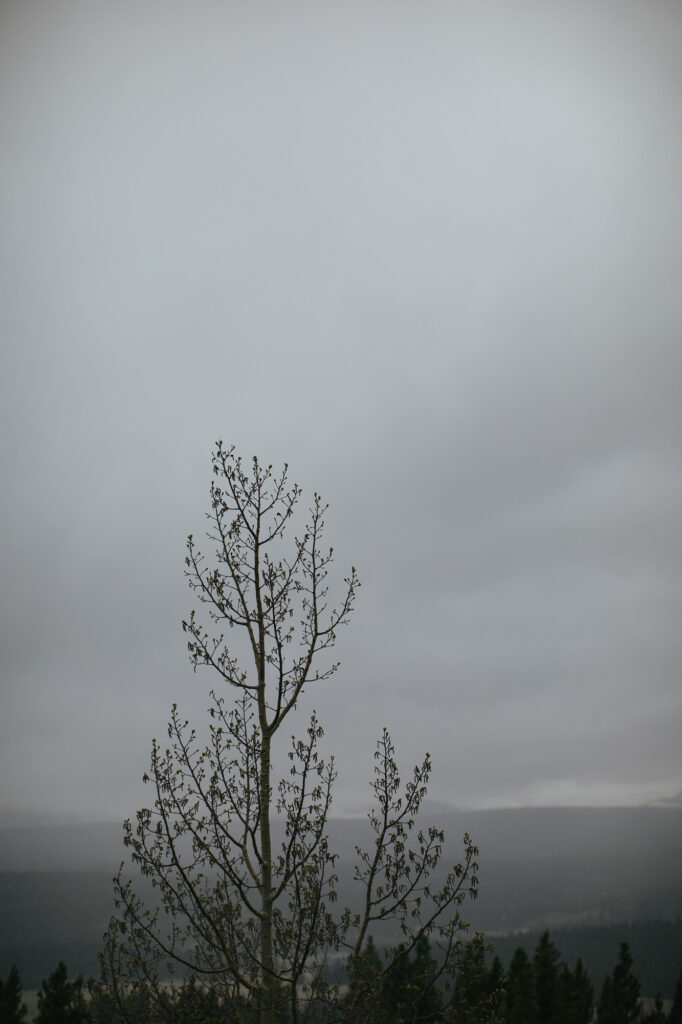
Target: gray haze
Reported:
[(429, 254)]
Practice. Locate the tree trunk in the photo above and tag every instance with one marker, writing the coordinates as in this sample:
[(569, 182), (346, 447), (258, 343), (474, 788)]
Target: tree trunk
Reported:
[(267, 1014)]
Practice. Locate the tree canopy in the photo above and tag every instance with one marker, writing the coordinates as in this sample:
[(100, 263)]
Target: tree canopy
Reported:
[(251, 914)]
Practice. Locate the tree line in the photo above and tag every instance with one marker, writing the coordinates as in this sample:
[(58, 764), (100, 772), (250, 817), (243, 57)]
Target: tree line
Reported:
[(537, 989)]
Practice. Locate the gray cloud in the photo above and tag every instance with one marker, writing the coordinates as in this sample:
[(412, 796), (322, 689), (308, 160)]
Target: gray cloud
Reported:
[(428, 255)]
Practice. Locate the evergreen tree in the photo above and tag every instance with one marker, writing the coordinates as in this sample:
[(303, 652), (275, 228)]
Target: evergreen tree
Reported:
[(61, 1001), (619, 998), (496, 974), (584, 993), (408, 992), (546, 973), (364, 994), (131, 1007), (496, 989), (395, 988), (606, 1011), (476, 992), (627, 987), (675, 1015), (575, 995), (520, 994), (195, 1004), (12, 1010), (425, 998)]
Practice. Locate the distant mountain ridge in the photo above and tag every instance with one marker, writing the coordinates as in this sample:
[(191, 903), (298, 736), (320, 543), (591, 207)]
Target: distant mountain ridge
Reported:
[(539, 868), (506, 833), (554, 867)]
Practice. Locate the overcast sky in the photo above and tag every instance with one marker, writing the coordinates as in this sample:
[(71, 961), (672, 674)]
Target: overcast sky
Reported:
[(428, 253)]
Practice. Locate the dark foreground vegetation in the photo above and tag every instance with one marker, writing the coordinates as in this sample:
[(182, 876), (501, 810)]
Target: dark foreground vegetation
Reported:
[(536, 987), (47, 916)]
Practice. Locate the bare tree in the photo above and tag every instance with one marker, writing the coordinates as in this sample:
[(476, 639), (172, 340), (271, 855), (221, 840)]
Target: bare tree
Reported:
[(243, 868)]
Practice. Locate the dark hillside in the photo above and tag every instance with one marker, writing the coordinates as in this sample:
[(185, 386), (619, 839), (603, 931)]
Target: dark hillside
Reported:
[(51, 916), (556, 868)]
